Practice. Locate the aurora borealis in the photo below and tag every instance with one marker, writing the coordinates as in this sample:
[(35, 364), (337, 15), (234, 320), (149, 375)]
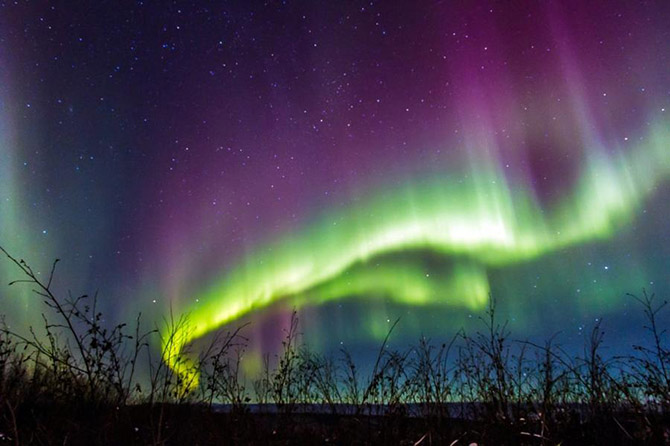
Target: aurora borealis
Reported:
[(358, 161)]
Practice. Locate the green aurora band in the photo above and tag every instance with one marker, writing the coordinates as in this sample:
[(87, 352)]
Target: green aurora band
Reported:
[(478, 220), (16, 227)]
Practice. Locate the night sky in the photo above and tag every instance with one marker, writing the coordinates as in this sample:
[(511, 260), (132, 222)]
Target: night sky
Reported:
[(358, 161)]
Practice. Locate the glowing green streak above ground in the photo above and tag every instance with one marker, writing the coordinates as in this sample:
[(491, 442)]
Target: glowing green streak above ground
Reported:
[(479, 219), (15, 226)]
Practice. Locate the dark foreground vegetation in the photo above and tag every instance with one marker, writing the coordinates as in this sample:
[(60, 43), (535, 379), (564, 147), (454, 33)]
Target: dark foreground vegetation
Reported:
[(75, 382)]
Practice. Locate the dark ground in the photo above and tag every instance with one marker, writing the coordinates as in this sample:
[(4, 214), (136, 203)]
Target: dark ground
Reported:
[(198, 425)]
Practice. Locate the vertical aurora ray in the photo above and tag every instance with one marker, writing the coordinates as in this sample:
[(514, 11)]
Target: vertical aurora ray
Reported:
[(23, 232), (11, 222), (8, 200), (14, 224)]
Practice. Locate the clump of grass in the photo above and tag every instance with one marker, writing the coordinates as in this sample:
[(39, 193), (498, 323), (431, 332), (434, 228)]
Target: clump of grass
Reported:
[(76, 358), (651, 366)]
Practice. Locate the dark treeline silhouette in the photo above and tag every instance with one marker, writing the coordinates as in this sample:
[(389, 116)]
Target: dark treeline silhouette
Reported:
[(76, 381)]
